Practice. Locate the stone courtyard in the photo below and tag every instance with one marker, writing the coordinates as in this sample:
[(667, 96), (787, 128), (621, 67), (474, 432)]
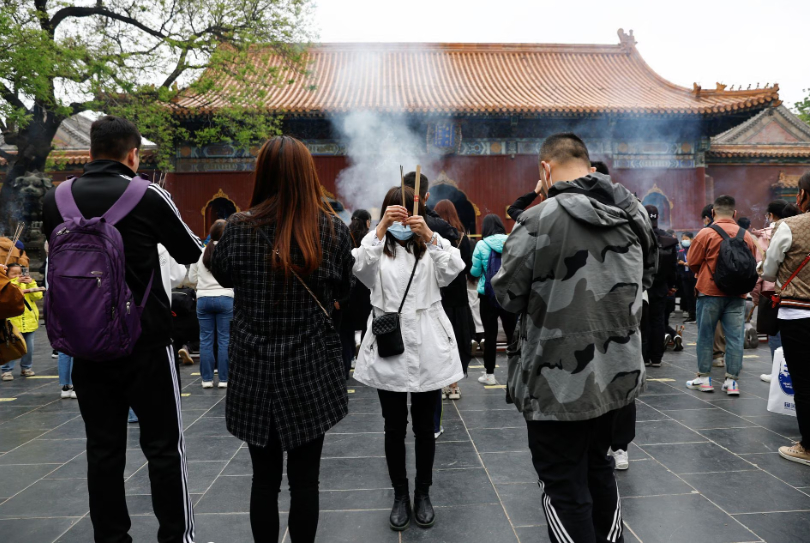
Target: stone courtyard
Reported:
[(703, 467)]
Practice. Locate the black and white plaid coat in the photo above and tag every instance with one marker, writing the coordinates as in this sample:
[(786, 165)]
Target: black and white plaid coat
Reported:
[(286, 368)]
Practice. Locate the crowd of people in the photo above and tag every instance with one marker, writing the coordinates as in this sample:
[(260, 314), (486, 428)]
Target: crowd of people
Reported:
[(287, 300)]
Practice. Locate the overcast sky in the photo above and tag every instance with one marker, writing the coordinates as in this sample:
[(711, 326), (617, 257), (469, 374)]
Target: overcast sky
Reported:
[(730, 41)]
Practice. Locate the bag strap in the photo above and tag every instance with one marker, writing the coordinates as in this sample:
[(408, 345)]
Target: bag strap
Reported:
[(416, 262), (130, 198), (719, 230), (65, 202), (796, 272), (318, 302), (740, 234)]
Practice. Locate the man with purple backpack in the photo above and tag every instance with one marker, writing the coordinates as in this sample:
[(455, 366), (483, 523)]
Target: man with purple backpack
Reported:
[(106, 308)]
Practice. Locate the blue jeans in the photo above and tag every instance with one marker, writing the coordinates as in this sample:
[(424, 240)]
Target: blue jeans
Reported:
[(214, 314), (775, 342), (65, 364), (27, 360), (730, 311)]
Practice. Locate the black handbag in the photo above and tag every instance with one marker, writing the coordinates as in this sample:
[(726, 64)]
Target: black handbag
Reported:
[(768, 307), (386, 328)]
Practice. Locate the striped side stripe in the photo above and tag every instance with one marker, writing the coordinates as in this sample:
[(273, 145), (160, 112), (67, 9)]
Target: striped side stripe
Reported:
[(165, 195), (617, 527), (553, 519), (188, 509)]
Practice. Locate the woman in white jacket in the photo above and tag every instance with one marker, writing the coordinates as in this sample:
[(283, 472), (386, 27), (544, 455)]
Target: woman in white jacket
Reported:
[(214, 311), (402, 245)]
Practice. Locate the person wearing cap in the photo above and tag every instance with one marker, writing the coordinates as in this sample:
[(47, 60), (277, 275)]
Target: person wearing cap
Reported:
[(665, 279)]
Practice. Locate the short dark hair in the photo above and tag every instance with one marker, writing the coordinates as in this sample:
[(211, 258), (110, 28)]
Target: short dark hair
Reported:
[(777, 208), (744, 223), (492, 224), (564, 147), (707, 211), (688, 235), (12, 265), (112, 137), (600, 167), (424, 184), (724, 204)]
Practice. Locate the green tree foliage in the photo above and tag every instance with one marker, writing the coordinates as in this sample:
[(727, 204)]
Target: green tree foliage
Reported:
[(803, 108), (134, 58)]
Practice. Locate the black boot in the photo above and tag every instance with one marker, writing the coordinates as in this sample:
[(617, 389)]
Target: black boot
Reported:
[(401, 512), (422, 508)]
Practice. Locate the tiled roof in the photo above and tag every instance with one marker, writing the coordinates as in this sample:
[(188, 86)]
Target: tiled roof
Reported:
[(799, 128), (533, 79), (78, 157), (760, 150)]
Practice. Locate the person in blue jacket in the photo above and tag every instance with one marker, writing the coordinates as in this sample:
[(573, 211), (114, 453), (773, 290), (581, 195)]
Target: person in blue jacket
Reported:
[(493, 235)]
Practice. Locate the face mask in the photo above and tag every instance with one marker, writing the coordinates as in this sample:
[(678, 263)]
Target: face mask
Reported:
[(686, 243), (400, 232)]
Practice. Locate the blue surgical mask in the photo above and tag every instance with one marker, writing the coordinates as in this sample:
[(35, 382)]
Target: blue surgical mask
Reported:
[(400, 232), (685, 243)]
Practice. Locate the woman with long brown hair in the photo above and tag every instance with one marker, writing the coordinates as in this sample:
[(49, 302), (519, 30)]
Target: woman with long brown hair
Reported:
[(214, 312), (401, 252), (288, 259)]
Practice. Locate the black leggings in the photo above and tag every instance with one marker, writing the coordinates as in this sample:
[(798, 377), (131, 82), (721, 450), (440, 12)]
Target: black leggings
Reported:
[(489, 318), (797, 354), (395, 411), (303, 467)]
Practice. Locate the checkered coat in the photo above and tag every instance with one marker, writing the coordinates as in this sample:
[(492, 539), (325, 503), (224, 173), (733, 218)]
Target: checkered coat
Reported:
[(286, 370)]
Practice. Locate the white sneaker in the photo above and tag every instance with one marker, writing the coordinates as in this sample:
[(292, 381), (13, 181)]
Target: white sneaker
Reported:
[(455, 393), (765, 378), (207, 385), (704, 383), (223, 385), (6, 376), (719, 362), (445, 392), (438, 434), (185, 356), (620, 456), (66, 389), (730, 386), (73, 393), (488, 379)]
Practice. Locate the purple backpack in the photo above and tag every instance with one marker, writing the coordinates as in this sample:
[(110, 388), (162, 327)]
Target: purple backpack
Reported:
[(91, 311)]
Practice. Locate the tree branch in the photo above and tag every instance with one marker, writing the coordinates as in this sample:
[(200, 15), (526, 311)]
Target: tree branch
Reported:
[(7, 156), (178, 70), (77, 11), (11, 98)]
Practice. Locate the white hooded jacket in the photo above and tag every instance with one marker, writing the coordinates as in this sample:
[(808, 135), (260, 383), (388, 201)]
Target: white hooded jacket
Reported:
[(431, 359)]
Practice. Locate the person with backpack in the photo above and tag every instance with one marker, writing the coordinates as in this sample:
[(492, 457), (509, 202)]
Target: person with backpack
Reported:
[(722, 258), (486, 262), (575, 268), (412, 348), (107, 310), (663, 286), (787, 264)]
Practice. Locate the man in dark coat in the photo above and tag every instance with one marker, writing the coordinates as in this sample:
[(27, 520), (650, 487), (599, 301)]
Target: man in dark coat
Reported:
[(666, 278)]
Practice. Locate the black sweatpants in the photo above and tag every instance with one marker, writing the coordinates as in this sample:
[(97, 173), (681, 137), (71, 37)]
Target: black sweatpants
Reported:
[(489, 318), (657, 314), (303, 471), (580, 498), (147, 381), (688, 301), (395, 411), (624, 427), (797, 356)]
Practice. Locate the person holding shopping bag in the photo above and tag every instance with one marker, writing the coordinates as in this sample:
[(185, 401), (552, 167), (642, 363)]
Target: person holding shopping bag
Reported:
[(411, 347)]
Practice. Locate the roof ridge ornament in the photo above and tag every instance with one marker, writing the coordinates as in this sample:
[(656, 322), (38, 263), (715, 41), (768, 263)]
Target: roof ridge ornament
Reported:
[(626, 39)]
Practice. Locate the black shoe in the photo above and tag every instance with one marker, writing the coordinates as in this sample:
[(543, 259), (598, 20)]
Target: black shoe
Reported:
[(401, 512), (647, 363), (655, 365), (690, 319), (679, 343), (422, 509)]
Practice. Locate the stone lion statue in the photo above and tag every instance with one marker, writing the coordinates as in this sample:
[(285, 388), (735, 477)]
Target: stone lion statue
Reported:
[(30, 189)]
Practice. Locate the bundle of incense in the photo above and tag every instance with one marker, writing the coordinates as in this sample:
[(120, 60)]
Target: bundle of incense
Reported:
[(416, 189), (402, 183), (17, 234)]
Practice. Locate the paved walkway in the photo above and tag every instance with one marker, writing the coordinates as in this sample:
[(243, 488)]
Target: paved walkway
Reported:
[(703, 467)]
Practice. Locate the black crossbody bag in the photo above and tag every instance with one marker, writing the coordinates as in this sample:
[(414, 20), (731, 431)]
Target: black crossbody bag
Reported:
[(387, 329)]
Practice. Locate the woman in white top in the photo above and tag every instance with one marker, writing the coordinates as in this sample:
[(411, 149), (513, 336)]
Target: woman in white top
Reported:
[(215, 312), (384, 262)]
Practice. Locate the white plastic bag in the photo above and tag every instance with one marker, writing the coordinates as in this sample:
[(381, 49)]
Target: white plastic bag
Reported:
[(780, 399)]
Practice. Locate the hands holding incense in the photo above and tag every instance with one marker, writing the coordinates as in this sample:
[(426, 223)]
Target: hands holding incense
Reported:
[(394, 214)]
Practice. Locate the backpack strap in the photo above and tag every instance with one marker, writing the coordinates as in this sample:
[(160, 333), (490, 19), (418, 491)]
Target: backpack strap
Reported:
[(65, 202), (716, 228), (132, 195), (740, 234)]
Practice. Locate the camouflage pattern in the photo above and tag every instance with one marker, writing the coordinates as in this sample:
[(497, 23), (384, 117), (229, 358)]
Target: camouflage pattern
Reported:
[(575, 268)]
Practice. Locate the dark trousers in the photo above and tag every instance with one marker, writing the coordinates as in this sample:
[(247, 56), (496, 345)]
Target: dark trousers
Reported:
[(670, 307), (147, 381), (347, 343), (395, 411), (688, 295), (658, 310), (580, 498), (489, 318), (797, 356), (303, 471), (624, 427), (644, 327)]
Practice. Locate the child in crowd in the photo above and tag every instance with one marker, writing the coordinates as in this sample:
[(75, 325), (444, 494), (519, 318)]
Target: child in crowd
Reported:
[(27, 322)]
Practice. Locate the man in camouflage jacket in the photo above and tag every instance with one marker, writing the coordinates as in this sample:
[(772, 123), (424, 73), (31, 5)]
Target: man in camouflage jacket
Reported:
[(574, 269)]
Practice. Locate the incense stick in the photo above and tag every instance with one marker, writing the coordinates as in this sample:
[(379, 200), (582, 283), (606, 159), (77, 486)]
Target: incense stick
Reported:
[(402, 183), (17, 233), (416, 189)]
